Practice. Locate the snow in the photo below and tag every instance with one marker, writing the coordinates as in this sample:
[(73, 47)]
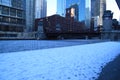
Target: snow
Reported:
[(81, 62)]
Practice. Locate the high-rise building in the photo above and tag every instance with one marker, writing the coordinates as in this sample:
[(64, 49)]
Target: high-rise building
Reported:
[(40, 8), (88, 13), (118, 2), (102, 9), (97, 9), (81, 5), (12, 15), (84, 10), (87, 9), (30, 15), (61, 6), (72, 12)]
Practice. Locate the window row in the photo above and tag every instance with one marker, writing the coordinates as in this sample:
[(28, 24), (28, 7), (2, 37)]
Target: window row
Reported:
[(11, 20), (17, 3), (10, 29), (13, 3), (11, 11)]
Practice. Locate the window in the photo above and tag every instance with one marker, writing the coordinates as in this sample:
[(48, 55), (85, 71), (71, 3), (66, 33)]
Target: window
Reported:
[(19, 13), (0, 9), (13, 20), (58, 27), (0, 18), (6, 2), (5, 19), (5, 10), (14, 3), (19, 21), (12, 12), (17, 3), (0, 1)]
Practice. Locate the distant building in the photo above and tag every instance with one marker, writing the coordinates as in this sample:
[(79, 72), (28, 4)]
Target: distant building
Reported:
[(73, 12), (12, 15), (41, 8), (97, 9), (118, 2), (84, 10), (87, 9), (81, 6), (61, 7), (30, 15)]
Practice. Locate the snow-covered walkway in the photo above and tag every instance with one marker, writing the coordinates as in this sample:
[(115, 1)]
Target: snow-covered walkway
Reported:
[(82, 62)]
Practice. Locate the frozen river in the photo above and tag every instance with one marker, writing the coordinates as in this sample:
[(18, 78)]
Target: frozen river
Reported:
[(78, 62), (26, 45)]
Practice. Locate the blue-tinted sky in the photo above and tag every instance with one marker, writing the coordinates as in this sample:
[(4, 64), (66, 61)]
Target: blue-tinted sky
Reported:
[(51, 7), (111, 5)]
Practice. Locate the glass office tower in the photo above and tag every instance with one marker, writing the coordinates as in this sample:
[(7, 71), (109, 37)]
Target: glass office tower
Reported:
[(41, 8), (81, 4), (12, 15), (61, 7), (84, 10)]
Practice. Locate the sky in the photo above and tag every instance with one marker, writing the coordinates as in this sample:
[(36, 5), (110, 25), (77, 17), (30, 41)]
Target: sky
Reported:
[(111, 5), (51, 7)]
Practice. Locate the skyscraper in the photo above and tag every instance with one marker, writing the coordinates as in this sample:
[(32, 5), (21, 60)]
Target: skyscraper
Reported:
[(30, 15), (40, 8), (84, 10), (81, 5), (12, 15), (102, 9), (61, 6), (73, 12), (97, 9)]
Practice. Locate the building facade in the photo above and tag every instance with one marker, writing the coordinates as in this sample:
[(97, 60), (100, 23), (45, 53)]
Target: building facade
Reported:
[(30, 15), (84, 10), (118, 3), (87, 10), (97, 10), (81, 6), (12, 15), (41, 8), (72, 12)]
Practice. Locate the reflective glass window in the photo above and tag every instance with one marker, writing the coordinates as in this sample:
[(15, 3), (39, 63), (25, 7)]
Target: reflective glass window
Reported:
[(19, 13), (19, 21), (0, 9), (5, 19), (6, 2), (5, 10), (12, 12), (12, 20), (17, 3), (14, 3), (0, 18)]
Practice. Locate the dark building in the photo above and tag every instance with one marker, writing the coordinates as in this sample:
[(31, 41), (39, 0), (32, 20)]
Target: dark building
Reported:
[(118, 2), (12, 15)]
